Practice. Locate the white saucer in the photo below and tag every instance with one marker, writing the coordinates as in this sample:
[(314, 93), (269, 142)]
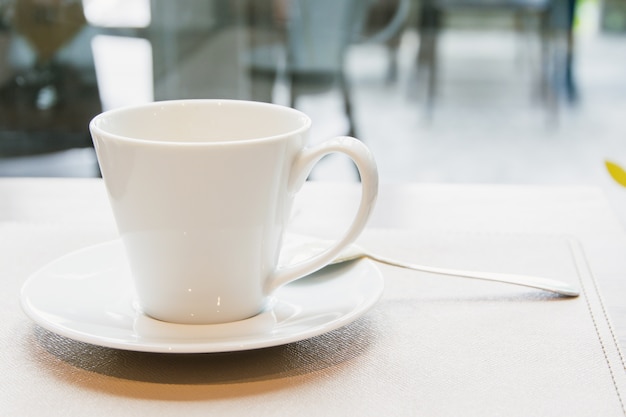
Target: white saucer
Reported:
[(87, 296)]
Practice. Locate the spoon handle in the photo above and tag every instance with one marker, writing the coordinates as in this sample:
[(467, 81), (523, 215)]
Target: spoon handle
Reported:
[(540, 283)]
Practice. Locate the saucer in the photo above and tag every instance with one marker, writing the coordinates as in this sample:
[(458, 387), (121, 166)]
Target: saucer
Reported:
[(88, 296)]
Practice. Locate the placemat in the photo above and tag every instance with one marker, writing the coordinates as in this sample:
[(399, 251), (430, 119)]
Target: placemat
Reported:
[(433, 346)]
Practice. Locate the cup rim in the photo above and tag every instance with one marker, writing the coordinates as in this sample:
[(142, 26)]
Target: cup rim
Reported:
[(94, 127)]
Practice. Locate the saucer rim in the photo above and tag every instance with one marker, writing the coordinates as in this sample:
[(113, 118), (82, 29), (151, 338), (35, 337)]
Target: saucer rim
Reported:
[(228, 344)]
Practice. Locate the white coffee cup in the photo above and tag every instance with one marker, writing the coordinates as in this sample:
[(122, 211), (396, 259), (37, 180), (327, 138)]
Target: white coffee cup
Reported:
[(201, 191)]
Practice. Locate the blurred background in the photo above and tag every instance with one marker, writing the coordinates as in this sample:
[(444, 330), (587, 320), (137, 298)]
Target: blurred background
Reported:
[(445, 91)]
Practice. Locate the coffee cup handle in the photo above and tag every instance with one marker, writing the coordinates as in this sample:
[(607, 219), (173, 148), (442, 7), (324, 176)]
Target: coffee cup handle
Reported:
[(305, 162)]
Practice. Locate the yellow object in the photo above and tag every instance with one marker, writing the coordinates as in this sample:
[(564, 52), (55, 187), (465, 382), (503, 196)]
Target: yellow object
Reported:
[(617, 172)]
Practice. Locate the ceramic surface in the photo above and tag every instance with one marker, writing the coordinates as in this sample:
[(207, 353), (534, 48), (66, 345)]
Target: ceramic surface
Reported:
[(88, 296), (202, 190)]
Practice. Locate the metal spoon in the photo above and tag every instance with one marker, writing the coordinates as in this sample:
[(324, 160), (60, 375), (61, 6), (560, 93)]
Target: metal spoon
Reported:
[(356, 252)]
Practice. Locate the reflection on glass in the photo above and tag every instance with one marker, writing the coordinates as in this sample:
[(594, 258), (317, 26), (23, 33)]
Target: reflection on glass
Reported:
[(126, 84), (118, 13), (47, 83), (352, 65), (47, 25)]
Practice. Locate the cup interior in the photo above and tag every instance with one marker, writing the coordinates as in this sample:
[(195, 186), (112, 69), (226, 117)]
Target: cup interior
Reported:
[(194, 121)]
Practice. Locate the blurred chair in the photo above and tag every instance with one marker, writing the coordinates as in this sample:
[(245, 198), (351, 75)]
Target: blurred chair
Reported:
[(317, 34), (554, 17)]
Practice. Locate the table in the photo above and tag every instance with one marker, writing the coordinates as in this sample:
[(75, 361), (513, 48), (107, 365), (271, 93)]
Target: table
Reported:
[(388, 360)]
